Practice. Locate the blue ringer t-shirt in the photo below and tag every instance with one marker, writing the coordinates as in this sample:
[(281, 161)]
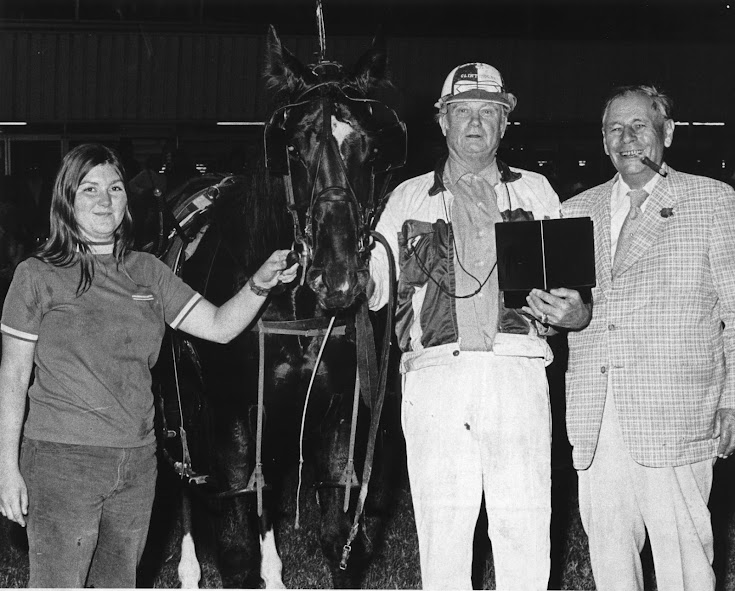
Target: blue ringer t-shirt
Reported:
[(94, 351)]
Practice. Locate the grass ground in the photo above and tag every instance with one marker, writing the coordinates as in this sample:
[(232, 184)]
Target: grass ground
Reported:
[(395, 565)]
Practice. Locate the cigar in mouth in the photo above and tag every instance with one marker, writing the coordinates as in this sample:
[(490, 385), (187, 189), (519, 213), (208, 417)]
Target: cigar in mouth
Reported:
[(653, 166)]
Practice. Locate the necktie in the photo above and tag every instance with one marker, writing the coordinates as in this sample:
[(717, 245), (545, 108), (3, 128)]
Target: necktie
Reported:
[(474, 214), (483, 191), (637, 197)]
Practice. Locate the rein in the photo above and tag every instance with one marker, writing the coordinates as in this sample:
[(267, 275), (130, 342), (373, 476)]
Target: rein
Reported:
[(377, 409)]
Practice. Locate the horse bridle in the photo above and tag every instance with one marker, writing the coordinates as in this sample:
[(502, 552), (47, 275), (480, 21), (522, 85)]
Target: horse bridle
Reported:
[(384, 160)]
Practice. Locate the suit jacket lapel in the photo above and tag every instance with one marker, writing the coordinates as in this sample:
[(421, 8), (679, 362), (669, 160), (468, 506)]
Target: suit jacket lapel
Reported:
[(601, 218), (652, 222)]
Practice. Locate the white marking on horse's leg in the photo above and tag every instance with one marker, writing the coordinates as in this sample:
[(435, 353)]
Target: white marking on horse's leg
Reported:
[(271, 566), (189, 570)]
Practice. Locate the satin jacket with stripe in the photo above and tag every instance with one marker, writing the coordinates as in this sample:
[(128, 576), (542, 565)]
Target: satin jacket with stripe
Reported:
[(415, 223)]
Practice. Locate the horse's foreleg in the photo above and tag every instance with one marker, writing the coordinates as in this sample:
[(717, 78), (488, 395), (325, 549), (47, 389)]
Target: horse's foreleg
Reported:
[(334, 532), (189, 570), (331, 457), (271, 567)]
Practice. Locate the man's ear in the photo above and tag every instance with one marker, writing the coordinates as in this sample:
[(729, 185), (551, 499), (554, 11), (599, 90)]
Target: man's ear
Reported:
[(504, 125), (669, 127), (443, 122)]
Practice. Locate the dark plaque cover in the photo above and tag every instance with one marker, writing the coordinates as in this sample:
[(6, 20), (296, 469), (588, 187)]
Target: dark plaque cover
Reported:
[(544, 254)]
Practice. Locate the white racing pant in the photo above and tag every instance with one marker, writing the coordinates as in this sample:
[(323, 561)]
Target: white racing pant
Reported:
[(480, 424)]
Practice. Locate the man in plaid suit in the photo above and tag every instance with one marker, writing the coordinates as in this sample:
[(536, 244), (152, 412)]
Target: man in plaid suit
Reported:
[(651, 375)]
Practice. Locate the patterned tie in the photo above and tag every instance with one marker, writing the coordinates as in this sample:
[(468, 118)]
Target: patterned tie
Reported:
[(637, 197), (474, 214)]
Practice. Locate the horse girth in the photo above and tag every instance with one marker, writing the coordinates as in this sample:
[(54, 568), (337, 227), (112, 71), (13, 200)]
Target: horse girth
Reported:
[(308, 327)]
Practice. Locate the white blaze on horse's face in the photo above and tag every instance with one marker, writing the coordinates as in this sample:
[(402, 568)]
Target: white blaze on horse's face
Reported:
[(340, 130)]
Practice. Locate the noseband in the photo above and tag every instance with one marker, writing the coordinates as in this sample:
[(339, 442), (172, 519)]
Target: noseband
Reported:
[(383, 160)]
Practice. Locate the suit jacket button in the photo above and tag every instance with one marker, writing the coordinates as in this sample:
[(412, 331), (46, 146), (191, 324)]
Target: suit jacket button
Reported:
[(603, 369), (456, 353)]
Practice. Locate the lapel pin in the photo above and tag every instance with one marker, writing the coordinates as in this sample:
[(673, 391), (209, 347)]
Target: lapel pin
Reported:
[(667, 212)]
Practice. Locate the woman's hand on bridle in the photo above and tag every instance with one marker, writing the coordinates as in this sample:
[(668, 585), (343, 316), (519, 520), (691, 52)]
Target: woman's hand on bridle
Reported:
[(275, 270)]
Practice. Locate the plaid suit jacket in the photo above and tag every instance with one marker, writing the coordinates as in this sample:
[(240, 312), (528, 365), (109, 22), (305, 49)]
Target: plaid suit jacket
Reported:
[(663, 331)]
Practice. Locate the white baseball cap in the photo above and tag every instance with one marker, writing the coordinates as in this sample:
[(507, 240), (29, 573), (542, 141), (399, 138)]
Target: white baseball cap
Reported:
[(475, 82)]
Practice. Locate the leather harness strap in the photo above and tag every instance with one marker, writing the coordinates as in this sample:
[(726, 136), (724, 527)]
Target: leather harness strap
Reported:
[(367, 364), (308, 327), (377, 409)]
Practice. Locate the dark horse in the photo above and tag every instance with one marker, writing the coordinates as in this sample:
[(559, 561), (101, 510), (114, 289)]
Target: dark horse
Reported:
[(330, 150)]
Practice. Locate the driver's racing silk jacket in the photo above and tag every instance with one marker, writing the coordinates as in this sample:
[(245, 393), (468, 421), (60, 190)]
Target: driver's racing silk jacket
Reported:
[(416, 225)]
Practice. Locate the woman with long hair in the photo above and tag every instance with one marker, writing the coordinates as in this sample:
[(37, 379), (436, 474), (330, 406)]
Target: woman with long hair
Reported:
[(89, 314)]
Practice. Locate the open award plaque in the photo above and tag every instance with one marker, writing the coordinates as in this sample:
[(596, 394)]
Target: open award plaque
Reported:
[(544, 254)]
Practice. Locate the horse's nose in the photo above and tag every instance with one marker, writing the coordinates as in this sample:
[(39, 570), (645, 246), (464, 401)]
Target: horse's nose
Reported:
[(335, 290), (332, 283)]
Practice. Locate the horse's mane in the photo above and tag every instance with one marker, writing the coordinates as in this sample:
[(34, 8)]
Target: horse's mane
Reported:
[(250, 212), (263, 217)]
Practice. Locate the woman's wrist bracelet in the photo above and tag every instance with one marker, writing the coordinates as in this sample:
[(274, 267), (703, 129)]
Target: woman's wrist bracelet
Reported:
[(257, 290)]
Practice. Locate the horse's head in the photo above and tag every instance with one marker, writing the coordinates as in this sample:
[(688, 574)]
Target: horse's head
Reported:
[(331, 142)]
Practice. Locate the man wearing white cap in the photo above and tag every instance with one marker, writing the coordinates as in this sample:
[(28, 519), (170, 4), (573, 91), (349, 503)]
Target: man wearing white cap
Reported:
[(475, 409)]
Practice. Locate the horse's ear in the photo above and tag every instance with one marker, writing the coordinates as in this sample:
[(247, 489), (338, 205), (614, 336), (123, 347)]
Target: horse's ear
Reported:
[(282, 69), (370, 69)]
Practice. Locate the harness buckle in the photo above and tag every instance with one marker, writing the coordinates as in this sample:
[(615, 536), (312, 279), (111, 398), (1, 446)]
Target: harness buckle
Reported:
[(257, 484), (199, 479), (349, 478), (346, 549), (185, 471)]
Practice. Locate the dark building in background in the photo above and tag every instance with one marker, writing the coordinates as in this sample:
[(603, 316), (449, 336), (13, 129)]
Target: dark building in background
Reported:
[(176, 86), (183, 78)]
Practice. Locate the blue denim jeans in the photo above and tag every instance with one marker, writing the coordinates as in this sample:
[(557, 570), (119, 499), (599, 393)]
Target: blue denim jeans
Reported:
[(89, 511)]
